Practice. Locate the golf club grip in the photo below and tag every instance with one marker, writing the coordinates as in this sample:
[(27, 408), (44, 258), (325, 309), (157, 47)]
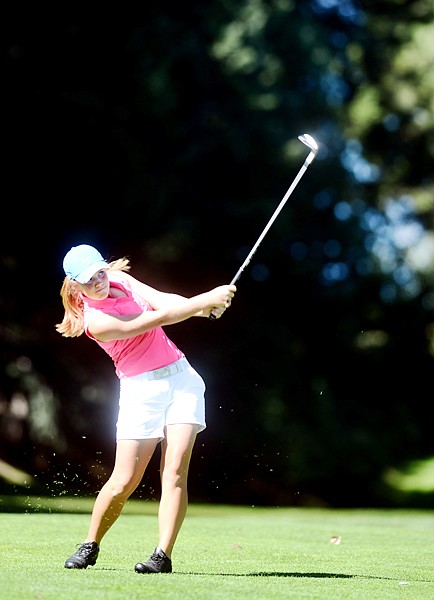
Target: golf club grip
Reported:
[(212, 316)]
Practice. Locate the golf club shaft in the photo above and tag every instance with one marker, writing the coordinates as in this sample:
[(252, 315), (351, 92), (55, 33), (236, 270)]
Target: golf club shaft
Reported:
[(293, 185), (270, 222)]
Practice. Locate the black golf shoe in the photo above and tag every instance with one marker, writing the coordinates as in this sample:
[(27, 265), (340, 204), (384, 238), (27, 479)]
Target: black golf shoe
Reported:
[(85, 556), (159, 562)]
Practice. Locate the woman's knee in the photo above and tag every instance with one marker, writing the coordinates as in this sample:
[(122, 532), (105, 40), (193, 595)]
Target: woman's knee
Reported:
[(120, 488), (175, 476)]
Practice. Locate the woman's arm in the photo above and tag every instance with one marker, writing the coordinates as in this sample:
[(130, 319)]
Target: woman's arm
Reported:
[(170, 309), (156, 298)]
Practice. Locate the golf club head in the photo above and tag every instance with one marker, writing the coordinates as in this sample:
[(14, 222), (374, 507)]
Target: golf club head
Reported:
[(308, 141)]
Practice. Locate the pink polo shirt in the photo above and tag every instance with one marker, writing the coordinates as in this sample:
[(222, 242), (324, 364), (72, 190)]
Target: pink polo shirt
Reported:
[(136, 355)]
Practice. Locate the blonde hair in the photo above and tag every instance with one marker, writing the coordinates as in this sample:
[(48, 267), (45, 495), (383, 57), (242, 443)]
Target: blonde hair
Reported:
[(72, 324)]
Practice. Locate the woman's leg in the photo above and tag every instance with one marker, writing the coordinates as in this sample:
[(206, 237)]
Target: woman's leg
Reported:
[(132, 458), (176, 449)]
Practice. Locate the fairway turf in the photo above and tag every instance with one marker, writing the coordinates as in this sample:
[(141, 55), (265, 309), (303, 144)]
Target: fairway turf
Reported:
[(222, 552)]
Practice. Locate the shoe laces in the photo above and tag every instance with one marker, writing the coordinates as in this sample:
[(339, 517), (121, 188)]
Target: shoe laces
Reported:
[(84, 549), (159, 557)]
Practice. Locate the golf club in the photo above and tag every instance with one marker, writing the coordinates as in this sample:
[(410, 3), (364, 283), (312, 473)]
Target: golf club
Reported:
[(308, 141)]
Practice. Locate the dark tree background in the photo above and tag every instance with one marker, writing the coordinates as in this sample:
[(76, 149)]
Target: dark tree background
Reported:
[(169, 134)]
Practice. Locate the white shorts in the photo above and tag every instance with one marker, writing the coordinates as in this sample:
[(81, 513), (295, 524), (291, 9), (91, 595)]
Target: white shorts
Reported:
[(152, 400)]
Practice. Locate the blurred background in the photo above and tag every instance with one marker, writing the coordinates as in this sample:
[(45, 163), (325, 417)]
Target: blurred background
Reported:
[(168, 134)]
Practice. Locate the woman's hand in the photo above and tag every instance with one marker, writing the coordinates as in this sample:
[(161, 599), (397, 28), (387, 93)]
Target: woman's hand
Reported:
[(221, 299)]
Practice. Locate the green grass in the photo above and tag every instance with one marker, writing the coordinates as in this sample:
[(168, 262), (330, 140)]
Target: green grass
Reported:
[(222, 552)]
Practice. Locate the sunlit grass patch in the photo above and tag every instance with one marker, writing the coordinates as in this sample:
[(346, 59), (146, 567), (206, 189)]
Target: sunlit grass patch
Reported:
[(417, 476)]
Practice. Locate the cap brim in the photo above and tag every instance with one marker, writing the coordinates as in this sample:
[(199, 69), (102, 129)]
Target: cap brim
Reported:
[(89, 271)]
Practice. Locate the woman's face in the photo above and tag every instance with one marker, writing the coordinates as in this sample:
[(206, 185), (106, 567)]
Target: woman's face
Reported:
[(98, 286)]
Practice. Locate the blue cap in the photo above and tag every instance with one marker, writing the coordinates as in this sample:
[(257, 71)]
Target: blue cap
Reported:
[(82, 262)]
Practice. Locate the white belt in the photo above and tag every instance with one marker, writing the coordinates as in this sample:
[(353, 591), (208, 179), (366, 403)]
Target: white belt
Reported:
[(175, 367)]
